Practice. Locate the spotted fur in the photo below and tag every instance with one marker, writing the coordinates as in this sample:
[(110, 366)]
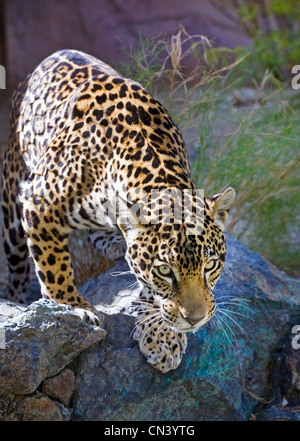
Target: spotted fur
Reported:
[(86, 146)]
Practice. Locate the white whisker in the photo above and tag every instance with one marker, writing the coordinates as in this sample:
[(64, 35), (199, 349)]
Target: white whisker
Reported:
[(132, 285), (230, 297), (235, 312), (161, 326), (144, 320), (142, 308), (221, 320), (144, 302), (239, 305), (233, 299), (118, 273), (154, 322), (235, 322), (213, 321), (143, 311)]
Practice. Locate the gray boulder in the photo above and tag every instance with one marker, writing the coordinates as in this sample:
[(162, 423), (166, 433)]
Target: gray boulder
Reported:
[(227, 370), (227, 373), (38, 342)]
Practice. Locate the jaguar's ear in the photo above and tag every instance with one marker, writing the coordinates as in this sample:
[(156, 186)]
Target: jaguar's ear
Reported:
[(129, 216), (220, 204)]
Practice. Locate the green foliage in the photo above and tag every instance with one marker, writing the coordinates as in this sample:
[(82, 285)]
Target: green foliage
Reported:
[(251, 145), (144, 62), (276, 35), (257, 152)]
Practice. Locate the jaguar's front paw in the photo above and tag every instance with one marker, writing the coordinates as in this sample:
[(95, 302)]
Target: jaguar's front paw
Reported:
[(90, 316), (163, 348)]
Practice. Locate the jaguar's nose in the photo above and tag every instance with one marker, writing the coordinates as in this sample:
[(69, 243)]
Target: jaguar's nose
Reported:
[(192, 319), (193, 322)]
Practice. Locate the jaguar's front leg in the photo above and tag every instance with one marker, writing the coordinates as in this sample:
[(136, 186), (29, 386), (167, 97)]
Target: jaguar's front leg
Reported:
[(47, 239), (161, 344)]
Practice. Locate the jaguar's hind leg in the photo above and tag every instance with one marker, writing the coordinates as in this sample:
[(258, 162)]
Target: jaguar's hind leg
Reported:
[(14, 240)]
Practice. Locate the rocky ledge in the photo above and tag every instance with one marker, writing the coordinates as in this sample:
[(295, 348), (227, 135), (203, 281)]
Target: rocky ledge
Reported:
[(245, 364)]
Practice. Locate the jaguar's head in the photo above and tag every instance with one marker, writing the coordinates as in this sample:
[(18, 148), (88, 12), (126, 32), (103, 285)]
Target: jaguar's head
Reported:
[(180, 262)]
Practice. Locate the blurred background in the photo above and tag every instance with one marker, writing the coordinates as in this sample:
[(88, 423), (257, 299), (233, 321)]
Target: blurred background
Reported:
[(222, 68), (32, 29)]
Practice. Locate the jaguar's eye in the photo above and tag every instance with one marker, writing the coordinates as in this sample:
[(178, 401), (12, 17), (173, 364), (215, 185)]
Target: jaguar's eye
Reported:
[(164, 270), (209, 265)]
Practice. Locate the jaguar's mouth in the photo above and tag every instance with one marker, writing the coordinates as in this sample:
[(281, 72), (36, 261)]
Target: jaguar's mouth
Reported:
[(161, 313), (151, 314), (175, 317)]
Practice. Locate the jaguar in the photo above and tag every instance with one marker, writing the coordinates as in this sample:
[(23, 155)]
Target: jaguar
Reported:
[(91, 150)]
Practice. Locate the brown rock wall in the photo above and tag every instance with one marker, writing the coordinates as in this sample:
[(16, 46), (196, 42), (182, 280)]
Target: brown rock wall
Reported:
[(34, 28)]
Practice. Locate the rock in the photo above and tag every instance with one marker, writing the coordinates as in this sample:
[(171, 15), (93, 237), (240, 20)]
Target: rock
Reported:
[(39, 342), (60, 387), (244, 96), (37, 407), (275, 413), (290, 372), (113, 291), (104, 31), (9, 309), (226, 371)]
